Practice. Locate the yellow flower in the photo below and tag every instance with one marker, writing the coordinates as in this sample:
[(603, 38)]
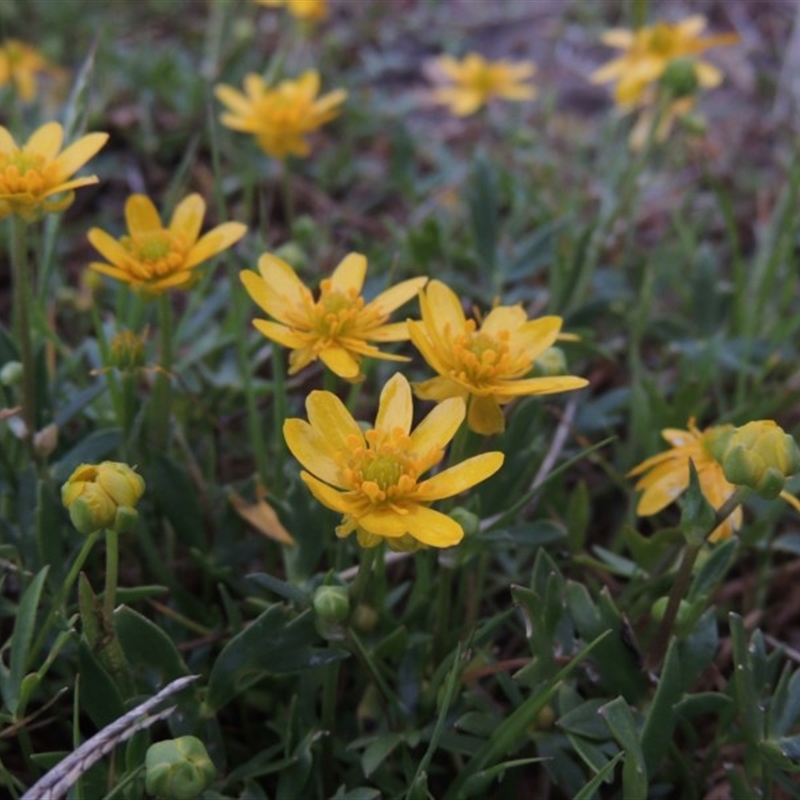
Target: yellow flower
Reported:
[(373, 478), (485, 364), (30, 175), (339, 326), (281, 118), (648, 52), (313, 10), (474, 81), (102, 495), (664, 477), (154, 258), (20, 64)]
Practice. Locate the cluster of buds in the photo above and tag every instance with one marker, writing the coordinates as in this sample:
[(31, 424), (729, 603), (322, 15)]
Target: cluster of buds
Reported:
[(759, 455), (104, 495), (178, 769)]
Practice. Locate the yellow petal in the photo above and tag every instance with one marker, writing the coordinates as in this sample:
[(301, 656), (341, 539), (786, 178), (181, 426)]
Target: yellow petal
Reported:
[(188, 217), (394, 332), (350, 274), (314, 451), (536, 336), (7, 143), (78, 153), (561, 383), (433, 528), (395, 409), (618, 37), (173, 281), (441, 309), (397, 295), (141, 215), (112, 272), (281, 280), (485, 415), (439, 389), (439, 427), (504, 318), (708, 76), (791, 500), (661, 487), (460, 477), (109, 247), (329, 415), (341, 362), (279, 333), (331, 498), (232, 98), (418, 333), (46, 141), (262, 293), (214, 242)]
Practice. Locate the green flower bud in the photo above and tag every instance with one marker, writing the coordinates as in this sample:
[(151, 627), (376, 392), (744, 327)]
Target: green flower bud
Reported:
[(102, 496), (470, 523), (178, 769), (551, 362), (331, 612), (365, 618), (11, 373), (762, 456), (293, 254), (680, 77), (127, 351)]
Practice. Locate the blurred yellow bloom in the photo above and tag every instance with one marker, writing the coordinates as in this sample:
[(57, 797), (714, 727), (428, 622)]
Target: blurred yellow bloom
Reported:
[(30, 175), (373, 478), (664, 477), (313, 10), (487, 365), (474, 81), (154, 258), (280, 118), (102, 495), (338, 327), (20, 66), (647, 52)]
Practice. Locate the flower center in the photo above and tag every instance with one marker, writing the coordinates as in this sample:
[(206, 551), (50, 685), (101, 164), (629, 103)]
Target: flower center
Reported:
[(155, 254), (384, 470), (481, 358), (24, 173), (662, 40)]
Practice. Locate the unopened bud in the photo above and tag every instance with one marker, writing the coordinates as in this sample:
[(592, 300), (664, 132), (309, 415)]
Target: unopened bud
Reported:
[(680, 77), (11, 373), (46, 440), (331, 612), (551, 362), (178, 769), (127, 351)]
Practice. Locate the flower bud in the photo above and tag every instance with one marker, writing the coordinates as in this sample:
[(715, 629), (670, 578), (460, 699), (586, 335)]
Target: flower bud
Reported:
[(102, 496), (46, 440), (760, 455), (127, 351), (551, 362), (178, 769), (469, 522), (11, 373), (680, 77), (331, 612)]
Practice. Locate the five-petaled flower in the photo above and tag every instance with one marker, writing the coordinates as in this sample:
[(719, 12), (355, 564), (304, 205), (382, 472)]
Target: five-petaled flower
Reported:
[(488, 364), (474, 81), (373, 478), (648, 52), (31, 175), (20, 67), (338, 327), (307, 10), (154, 258), (665, 476), (281, 117)]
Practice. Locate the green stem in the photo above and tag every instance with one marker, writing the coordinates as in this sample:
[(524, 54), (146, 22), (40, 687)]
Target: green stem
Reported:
[(683, 579), (279, 404), (330, 689), (112, 574), (364, 574), (61, 597), (162, 392), (22, 302), (288, 196)]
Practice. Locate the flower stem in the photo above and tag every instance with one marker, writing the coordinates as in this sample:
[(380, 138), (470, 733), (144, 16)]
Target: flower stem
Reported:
[(162, 393), (288, 196), (112, 573), (364, 575), (683, 579), (22, 302), (279, 403)]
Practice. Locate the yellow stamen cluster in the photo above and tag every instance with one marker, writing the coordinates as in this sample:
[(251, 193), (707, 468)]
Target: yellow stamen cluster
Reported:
[(155, 254), (480, 358)]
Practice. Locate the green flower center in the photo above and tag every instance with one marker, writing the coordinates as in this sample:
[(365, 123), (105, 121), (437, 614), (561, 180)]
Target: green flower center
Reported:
[(155, 254)]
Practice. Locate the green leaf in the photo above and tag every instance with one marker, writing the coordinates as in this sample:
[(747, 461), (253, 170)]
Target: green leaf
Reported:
[(622, 723), (589, 791), (785, 707), (697, 514), (713, 570), (275, 643), (283, 589), (100, 698), (177, 497), (480, 782), (585, 720), (483, 207), (746, 691), (378, 751), (20, 642)]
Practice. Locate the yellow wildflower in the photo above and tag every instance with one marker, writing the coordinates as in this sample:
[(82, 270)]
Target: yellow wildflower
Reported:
[(312, 10), (474, 81), (665, 476), (102, 495), (486, 365), (648, 52), (373, 478), (30, 175), (154, 258), (20, 65), (339, 326), (281, 118)]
